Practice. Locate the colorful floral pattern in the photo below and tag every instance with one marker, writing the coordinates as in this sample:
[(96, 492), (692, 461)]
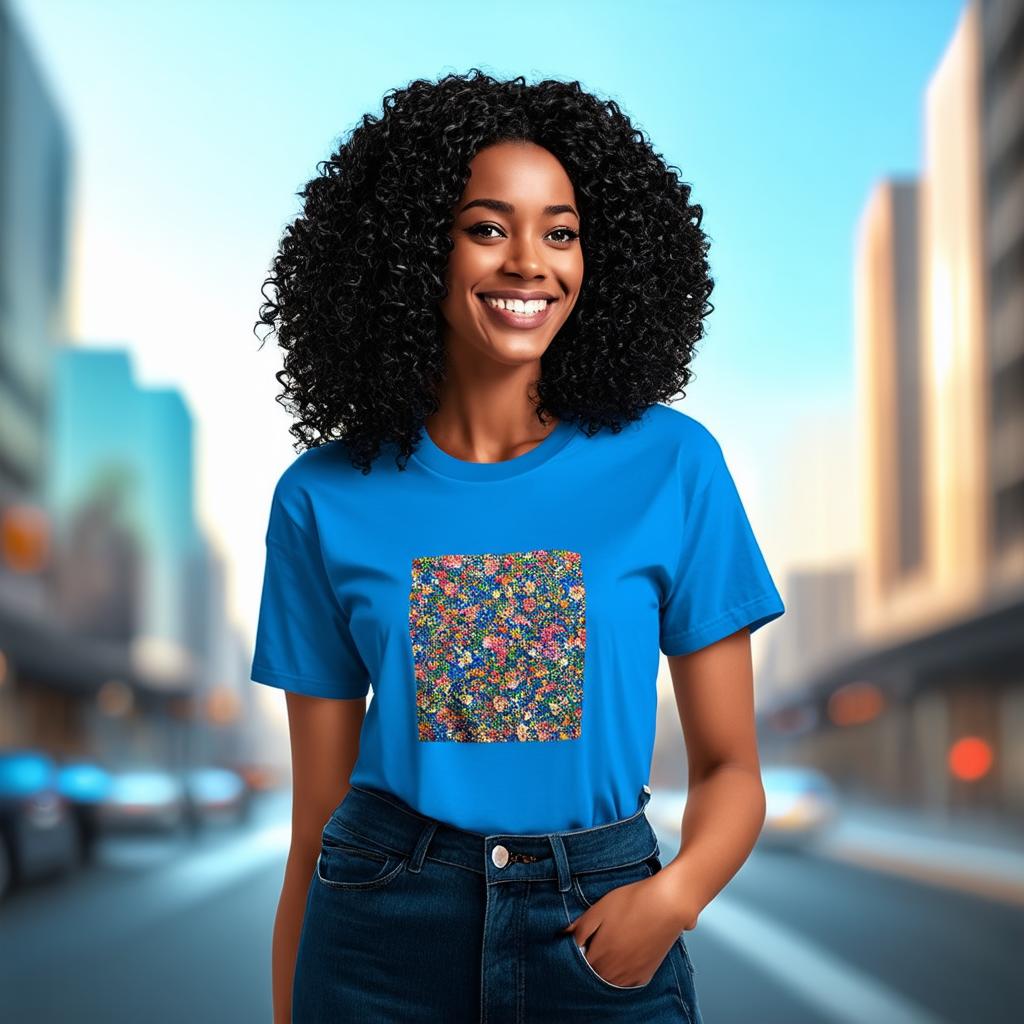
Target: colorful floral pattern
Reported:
[(498, 644)]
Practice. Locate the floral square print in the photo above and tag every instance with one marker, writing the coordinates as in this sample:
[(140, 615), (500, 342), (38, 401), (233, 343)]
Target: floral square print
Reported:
[(498, 643)]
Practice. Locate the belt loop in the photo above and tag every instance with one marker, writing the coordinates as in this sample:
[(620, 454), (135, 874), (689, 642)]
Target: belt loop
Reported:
[(645, 796), (420, 849), (561, 862)]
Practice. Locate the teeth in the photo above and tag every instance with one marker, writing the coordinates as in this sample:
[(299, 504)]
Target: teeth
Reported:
[(517, 305)]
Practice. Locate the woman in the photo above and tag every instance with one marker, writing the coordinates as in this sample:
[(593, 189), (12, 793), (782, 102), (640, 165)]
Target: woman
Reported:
[(496, 525)]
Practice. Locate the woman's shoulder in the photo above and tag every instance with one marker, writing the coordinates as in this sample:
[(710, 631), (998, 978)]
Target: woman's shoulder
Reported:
[(670, 425), (311, 463), (310, 473)]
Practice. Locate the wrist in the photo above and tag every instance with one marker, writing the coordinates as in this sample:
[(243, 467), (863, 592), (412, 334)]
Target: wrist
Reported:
[(686, 903)]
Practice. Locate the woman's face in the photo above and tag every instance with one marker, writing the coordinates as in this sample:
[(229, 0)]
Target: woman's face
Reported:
[(515, 230)]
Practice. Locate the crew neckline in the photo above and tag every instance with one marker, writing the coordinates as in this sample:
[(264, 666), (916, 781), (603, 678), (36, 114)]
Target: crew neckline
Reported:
[(433, 457)]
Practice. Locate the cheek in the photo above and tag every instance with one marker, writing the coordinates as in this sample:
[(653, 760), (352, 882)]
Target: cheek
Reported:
[(463, 271), (579, 269), (574, 274)]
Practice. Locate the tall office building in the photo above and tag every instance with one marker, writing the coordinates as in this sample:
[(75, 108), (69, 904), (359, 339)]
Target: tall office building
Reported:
[(128, 449), (1002, 134), (34, 175), (34, 172), (957, 439), (889, 352)]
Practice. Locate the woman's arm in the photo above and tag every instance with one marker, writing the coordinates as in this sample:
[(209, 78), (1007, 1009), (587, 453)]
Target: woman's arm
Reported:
[(725, 803), (324, 735)]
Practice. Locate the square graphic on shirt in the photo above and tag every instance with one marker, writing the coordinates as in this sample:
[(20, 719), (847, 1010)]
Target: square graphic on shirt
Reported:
[(498, 643)]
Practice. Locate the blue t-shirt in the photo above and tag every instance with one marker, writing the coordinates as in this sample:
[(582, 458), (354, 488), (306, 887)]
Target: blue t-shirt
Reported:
[(508, 615)]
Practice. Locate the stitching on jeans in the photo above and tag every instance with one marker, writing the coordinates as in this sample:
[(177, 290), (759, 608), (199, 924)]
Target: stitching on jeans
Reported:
[(372, 883), (686, 955), (521, 960), (415, 814), (567, 832), (623, 864), (368, 839), (483, 954), (386, 799), (679, 987), (528, 835), (502, 835)]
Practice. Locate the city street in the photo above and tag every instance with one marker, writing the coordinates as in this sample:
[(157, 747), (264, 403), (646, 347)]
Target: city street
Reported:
[(168, 931), (365, 413)]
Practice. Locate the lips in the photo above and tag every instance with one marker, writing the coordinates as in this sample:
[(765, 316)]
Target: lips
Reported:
[(507, 318)]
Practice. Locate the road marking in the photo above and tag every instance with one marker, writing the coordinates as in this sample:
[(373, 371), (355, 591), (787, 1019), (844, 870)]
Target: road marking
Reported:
[(143, 898), (992, 874), (203, 874), (840, 992)]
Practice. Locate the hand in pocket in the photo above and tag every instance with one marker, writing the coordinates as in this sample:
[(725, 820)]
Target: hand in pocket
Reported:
[(629, 931)]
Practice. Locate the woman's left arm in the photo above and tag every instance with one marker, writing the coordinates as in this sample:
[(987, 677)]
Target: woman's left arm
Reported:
[(725, 810), (725, 802)]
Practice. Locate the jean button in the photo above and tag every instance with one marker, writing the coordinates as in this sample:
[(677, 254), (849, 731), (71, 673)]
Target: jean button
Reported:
[(499, 855)]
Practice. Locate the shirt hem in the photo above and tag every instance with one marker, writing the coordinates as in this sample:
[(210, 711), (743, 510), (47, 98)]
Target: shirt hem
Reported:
[(754, 614), (306, 684)]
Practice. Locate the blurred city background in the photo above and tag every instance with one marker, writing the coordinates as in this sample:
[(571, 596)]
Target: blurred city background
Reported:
[(861, 168)]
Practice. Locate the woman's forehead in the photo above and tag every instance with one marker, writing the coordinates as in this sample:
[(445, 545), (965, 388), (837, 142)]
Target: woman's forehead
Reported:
[(523, 176)]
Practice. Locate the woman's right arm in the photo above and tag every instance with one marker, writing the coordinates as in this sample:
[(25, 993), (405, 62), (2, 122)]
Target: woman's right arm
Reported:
[(324, 736)]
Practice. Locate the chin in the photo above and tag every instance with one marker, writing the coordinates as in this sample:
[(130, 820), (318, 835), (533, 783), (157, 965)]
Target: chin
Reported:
[(517, 350)]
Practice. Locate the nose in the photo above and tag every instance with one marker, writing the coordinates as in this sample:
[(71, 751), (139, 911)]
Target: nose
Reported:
[(523, 259)]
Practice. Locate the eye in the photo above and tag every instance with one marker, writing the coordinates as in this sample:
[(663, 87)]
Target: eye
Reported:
[(478, 229)]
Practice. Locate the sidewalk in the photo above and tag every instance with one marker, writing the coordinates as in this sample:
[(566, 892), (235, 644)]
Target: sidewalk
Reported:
[(982, 858), (986, 859)]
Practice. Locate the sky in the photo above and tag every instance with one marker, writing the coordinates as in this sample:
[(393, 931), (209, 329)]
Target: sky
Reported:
[(193, 126)]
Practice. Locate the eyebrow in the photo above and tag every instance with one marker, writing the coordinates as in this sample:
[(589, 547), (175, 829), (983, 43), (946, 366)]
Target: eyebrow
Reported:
[(500, 206)]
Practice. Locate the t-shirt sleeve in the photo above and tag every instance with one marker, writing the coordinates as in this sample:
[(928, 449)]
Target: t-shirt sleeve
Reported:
[(303, 641), (722, 582)]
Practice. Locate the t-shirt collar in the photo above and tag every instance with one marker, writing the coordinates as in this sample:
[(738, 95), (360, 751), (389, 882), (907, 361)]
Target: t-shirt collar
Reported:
[(437, 459)]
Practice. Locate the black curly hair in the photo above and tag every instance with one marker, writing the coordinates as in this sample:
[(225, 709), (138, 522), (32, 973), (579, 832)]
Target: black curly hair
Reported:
[(359, 274)]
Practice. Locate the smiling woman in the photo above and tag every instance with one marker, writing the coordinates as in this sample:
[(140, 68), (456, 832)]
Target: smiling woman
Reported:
[(481, 280), (468, 187)]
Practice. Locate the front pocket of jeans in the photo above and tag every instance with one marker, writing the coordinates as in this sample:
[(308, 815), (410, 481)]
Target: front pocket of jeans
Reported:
[(591, 886), (605, 981), (353, 864)]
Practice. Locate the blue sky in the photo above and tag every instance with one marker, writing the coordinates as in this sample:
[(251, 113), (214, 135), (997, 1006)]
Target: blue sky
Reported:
[(194, 124)]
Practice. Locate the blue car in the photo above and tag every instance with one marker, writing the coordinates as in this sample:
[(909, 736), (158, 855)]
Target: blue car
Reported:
[(37, 828), (85, 785)]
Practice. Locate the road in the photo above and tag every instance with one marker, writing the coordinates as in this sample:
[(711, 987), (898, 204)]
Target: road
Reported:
[(168, 931)]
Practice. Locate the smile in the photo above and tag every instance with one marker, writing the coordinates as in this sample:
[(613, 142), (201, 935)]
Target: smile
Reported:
[(515, 313)]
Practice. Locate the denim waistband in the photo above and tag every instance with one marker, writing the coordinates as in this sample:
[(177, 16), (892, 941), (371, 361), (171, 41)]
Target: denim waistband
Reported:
[(387, 821)]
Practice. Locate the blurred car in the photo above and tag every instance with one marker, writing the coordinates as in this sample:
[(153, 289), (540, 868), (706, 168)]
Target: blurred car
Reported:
[(38, 836), (215, 794), (85, 785), (801, 803), (143, 800)]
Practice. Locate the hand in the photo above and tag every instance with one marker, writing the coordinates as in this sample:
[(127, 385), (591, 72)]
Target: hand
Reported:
[(629, 931)]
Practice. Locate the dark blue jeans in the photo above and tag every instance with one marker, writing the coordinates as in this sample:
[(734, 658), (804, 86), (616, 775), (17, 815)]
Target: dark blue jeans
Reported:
[(409, 919)]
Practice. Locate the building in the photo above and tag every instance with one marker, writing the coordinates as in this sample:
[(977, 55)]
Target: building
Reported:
[(926, 706)]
